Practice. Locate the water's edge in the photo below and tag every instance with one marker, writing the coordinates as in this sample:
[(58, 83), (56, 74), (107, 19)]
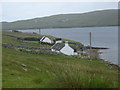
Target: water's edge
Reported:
[(101, 37)]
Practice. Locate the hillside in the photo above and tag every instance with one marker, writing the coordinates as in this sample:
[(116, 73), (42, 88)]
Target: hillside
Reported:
[(96, 18), (28, 70)]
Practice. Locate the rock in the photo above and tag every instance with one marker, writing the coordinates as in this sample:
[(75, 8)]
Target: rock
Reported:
[(25, 69), (47, 71), (23, 65), (115, 66), (37, 69)]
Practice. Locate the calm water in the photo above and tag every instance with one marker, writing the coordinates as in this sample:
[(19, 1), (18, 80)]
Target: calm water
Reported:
[(101, 37)]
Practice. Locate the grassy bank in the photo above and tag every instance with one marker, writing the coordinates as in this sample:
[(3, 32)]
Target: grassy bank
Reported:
[(25, 70), (7, 39), (54, 71)]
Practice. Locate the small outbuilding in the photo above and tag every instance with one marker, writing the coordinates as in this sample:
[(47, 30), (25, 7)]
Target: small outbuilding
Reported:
[(46, 40), (58, 40), (64, 48)]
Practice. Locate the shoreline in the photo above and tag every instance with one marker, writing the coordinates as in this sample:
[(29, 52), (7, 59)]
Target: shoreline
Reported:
[(111, 64), (106, 61)]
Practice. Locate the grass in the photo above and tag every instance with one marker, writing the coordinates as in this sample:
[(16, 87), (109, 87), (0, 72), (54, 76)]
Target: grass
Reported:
[(23, 35), (54, 71), (33, 41), (11, 40)]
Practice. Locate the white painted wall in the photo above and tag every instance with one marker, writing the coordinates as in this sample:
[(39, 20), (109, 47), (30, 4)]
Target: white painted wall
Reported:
[(42, 38), (67, 50), (53, 50), (58, 41), (75, 53), (47, 40)]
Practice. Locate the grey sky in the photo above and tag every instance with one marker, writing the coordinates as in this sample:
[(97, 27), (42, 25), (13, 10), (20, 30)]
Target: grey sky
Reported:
[(19, 11)]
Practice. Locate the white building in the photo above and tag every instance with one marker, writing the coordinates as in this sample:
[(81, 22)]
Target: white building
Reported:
[(58, 40), (64, 48), (46, 40)]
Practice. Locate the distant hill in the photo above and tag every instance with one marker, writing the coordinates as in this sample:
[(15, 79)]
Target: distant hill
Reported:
[(96, 18)]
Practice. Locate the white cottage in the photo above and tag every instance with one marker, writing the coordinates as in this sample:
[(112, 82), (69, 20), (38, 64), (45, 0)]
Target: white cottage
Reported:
[(45, 39), (64, 48)]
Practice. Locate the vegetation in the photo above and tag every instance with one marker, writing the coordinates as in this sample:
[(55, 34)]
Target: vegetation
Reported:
[(12, 37), (26, 70), (33, 41), (96, 18), (54, 71)]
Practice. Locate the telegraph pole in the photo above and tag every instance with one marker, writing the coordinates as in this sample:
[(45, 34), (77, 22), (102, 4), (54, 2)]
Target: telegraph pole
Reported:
[(39, 31), (90, 53), (90, 41), (40, 36)]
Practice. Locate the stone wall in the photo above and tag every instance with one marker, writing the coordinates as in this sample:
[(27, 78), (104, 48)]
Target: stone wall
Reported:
[(30, 49)]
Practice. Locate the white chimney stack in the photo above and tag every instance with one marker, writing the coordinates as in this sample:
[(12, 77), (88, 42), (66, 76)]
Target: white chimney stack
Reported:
[(66, 43)]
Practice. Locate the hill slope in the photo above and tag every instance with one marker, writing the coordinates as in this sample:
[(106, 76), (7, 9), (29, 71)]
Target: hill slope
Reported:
[(28, 70), (96, 18)]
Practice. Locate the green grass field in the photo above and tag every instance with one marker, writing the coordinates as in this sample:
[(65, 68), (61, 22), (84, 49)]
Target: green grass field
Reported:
[(54, 71), (32, 41)]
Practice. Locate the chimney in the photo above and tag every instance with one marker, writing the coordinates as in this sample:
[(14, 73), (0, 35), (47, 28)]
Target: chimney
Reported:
[(66, 43)]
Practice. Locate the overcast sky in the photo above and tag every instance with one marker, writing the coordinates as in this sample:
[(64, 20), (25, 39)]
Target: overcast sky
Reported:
[(12, 11)]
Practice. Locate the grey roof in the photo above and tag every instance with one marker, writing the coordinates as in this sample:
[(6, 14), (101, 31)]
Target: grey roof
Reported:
[(43, 38), (73, 47), (57, 39), (58, 46)]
